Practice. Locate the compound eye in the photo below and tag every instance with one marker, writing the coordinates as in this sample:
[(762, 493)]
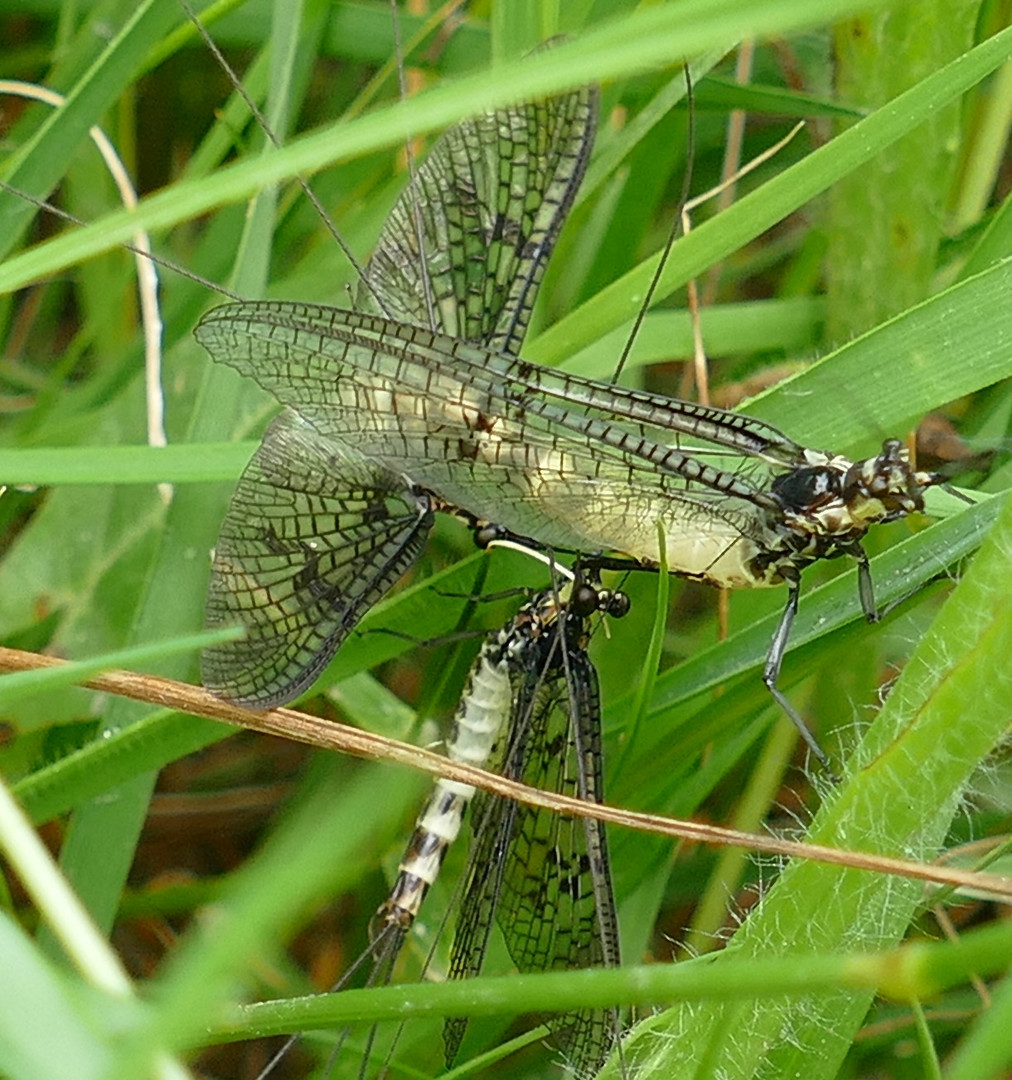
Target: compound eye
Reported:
[(615, 604), (804, 489), (584, 600)]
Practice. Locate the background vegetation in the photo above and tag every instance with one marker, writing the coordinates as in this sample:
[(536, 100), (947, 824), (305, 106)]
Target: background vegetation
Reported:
[(873, 241)]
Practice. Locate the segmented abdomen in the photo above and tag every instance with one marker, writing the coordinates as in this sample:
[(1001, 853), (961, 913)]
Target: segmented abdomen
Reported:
[(483, 710)]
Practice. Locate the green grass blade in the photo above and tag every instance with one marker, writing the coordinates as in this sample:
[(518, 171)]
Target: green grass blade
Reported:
[(904, 785)]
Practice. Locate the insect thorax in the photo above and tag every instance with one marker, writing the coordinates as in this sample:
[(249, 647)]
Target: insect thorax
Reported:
[(829, 504)]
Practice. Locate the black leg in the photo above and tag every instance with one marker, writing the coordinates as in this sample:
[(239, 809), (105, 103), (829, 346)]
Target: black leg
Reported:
[(774, 660)]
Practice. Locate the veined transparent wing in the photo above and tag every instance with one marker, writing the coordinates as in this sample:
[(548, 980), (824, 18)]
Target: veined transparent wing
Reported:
[(313, 538), (315, 358), (465, 247), (544, 877), (572, 462), (473, 427), (490, 200)]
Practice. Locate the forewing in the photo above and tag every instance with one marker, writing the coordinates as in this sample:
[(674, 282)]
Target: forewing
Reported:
[(486, 206), (556, 909), (313, 537), (272, 340), (543, 876), (339, 369), (464, 423), (482, 884)]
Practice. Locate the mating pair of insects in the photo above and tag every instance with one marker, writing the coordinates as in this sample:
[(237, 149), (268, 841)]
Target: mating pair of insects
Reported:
[(418, 401)]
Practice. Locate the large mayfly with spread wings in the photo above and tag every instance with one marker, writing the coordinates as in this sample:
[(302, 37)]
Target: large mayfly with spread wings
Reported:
[(390, 420)]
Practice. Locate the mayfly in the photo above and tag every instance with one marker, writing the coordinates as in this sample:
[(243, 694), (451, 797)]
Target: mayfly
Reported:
[(426, 407), (437, 423), (530, 708)]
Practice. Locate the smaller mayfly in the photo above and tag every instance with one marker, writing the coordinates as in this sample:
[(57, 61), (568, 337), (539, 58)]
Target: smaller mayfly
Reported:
[(530, 710)]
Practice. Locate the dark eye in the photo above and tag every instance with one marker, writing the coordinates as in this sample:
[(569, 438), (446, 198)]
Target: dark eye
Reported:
[(616, 604), (584, 600), (806, 488)]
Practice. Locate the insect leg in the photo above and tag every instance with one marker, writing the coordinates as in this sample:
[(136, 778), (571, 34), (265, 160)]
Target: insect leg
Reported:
[(774, 660)]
